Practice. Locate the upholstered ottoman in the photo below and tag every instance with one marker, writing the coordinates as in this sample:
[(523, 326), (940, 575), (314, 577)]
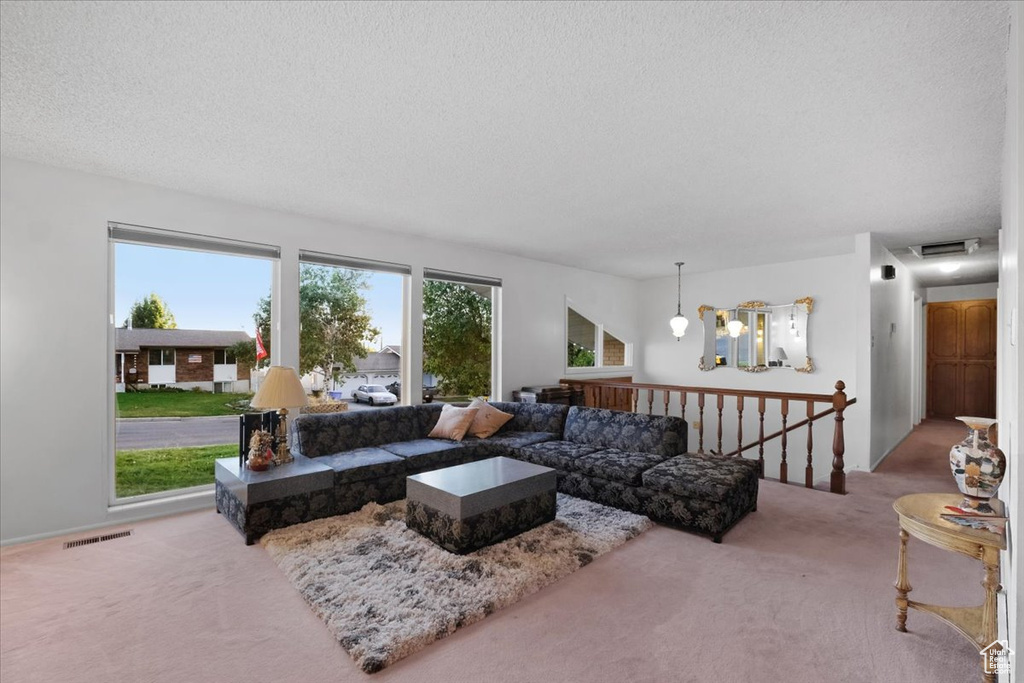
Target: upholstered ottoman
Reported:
[(705, 493)]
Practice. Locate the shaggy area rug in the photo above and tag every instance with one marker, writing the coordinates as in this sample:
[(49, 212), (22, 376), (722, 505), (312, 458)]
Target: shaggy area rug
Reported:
[(386, 592)]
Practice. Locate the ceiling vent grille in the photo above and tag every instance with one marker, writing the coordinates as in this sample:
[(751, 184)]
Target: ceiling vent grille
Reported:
[(96, 539), (946, 248)]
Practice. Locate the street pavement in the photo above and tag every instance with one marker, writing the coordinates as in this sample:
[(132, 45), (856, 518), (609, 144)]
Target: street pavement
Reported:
[(173, 432)]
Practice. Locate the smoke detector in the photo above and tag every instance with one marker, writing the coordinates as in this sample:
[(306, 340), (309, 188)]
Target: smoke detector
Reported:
[(954, 248)]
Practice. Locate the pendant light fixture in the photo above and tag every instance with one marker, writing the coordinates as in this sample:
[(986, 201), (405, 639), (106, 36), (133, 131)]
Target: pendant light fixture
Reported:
[(679, 321)]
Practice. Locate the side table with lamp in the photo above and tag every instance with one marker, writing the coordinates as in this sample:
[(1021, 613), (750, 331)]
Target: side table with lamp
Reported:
[(296, 489)]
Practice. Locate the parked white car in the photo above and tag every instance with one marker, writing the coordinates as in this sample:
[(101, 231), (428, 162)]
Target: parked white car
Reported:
[(374, 394)]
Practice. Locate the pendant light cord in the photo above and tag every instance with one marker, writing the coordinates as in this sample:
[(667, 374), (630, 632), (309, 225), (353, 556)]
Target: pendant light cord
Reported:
[(679, 288)]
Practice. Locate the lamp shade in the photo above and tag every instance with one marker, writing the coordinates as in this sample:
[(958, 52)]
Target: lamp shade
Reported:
[(780, 353), (679, 323), (735, 327), (281, 388)]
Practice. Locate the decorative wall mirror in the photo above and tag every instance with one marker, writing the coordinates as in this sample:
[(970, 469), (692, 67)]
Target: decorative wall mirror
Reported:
[(756, 336)]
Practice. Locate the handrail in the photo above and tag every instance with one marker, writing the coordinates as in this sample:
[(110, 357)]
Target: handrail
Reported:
[(626, 395), (790, 428), (821, 398)]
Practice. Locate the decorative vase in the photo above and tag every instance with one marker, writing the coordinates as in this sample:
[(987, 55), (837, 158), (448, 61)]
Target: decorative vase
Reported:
[(977, 465)]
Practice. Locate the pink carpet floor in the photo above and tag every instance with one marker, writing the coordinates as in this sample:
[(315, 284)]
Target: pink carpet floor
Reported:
[(801, 590)]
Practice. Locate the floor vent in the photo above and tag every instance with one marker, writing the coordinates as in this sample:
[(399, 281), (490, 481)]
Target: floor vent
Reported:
[(96, 539)]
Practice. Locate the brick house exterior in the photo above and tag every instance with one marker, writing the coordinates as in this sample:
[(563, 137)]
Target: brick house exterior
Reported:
[(179, 358)]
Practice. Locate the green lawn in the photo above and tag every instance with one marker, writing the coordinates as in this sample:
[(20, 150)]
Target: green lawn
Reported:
[(163, 469), (180, 404)]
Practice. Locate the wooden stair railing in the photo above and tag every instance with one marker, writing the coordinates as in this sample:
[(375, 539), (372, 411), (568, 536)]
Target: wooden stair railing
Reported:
[(623, 395)]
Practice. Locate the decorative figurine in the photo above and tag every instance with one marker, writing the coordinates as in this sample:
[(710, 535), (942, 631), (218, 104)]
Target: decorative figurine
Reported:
[(261, 453)]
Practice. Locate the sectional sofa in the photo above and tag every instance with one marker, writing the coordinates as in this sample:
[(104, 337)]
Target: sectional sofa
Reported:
[(626, 460)]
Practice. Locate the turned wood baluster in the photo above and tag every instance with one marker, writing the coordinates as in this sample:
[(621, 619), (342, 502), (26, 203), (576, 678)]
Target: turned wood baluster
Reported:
[(700, 422), (784, 466), (760, 436), (809, 470), (668, 397), (721, 405), (636, 400), (682, 404), (650, 401), (838, 478), (739, 426)]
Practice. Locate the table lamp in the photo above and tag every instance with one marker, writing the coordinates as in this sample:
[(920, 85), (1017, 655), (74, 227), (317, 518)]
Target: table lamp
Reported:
[(280, 390), (780, 355)]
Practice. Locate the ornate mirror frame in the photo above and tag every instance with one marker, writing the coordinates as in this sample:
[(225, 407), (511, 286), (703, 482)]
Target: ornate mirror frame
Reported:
[(805, 303)]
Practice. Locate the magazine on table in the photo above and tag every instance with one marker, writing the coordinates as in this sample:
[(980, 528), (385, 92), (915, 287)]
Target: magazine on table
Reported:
[(995, 525), (993, 508)]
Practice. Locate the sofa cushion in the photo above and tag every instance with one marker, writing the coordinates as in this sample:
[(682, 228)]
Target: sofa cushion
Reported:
[(558, 454), (521, 439), (616, 465), (707, 477), (362, 464), (421, 455), (320, 435), (488, 419), (453, 423), (629, 432), (533, 417), (417, 447)]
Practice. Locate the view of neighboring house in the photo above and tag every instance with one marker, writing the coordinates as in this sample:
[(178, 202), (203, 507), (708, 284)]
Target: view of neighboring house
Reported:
[(379, 367), (179, 358)]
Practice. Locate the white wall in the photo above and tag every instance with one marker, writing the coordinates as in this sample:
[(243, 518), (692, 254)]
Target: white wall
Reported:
[(890, 352), (831, 345), (1010, 349), (54, 265), (986, 290)]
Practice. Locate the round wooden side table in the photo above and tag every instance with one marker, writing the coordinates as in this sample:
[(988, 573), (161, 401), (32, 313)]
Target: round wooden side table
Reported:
[(919, 517)]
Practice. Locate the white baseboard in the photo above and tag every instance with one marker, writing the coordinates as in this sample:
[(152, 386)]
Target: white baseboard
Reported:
[(119, 515)]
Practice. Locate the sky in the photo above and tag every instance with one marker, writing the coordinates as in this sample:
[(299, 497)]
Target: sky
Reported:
[(207, 291)]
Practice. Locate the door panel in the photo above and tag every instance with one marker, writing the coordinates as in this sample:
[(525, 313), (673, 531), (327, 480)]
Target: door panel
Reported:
[(943, 389), (961, 358), (943, 330), (979, 331), (979, 390)]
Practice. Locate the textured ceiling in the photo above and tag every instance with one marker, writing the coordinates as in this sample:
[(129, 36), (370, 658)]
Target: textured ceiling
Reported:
[(614, 137)]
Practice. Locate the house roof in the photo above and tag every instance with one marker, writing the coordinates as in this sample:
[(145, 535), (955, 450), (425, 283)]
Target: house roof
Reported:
[(378, 361), (136, 339)]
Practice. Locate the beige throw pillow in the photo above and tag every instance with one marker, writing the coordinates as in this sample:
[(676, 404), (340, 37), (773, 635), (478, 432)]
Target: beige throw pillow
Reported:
[(488, 419), (453, 423)]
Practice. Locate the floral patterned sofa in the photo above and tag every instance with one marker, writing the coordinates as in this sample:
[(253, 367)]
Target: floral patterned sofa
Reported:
[(626, 460)]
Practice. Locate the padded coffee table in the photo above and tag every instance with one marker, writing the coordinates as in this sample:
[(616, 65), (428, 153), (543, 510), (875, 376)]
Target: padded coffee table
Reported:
[(467, 507)]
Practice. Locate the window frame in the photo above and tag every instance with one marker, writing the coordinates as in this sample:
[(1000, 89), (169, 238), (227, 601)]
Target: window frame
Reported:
[(470, 280), (125, 233), (225, 354), (600, 330)]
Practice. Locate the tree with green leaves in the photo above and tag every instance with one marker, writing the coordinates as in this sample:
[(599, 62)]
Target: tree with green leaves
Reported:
[(150, 313), (457, 338), (335, 325), (580, 356)]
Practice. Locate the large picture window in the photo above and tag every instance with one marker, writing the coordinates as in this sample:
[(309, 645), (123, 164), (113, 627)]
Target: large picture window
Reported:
[(589, 345), (183, 336), (458, 335), (350, 315)]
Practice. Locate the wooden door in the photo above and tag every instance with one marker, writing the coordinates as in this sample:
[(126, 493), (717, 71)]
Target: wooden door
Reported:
[(962, 358)]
